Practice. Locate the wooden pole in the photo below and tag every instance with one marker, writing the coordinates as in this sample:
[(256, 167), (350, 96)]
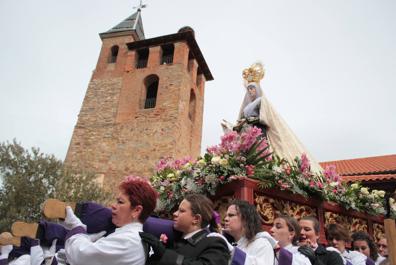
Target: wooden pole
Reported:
[(390, 233)]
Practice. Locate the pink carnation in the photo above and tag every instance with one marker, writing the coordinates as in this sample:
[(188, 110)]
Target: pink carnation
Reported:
[(163, 238), (230, 142), (213, 150), (249, 137), (305, 166), (331, 174), (162, 164)]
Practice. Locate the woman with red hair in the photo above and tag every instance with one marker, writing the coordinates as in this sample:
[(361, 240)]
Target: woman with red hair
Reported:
[(135, 202)]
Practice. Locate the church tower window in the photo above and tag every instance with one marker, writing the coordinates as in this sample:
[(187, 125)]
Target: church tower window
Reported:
[(142, 58), (113, 54), (167, 53), (151, 84)]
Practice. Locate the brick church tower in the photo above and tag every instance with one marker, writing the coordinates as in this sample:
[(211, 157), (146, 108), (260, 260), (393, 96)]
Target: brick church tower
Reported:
[(144, 102)]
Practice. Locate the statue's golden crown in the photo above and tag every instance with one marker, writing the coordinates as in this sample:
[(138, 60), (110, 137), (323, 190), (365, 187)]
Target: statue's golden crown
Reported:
[(254, 73)]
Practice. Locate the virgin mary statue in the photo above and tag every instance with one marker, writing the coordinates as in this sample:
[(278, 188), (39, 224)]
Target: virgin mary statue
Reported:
[(257, 110)]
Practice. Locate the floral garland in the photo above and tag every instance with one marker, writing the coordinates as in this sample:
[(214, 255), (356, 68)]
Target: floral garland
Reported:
[(247, 155)]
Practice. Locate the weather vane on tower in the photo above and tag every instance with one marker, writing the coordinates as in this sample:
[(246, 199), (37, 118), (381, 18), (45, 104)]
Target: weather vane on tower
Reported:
[(140, 6)]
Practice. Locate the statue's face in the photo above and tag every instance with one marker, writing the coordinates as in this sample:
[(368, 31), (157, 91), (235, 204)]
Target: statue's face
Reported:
[(252, 92)]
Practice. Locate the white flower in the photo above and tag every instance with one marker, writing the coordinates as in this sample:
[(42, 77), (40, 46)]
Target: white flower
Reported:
[(355, 186), (364, 191), (190, 185), (210, 179), (162, 188), (187, 165), (334, 184), (381, 193), (183, 181), (201, 162), (216, 160), (223, 162), (277, 169), (375, 205)]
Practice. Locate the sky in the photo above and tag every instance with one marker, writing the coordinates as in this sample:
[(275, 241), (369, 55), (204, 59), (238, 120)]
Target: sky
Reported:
[(330, 66)]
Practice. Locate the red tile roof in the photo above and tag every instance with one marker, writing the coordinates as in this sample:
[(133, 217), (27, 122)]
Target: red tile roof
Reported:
[(370, 177), (366, 169)]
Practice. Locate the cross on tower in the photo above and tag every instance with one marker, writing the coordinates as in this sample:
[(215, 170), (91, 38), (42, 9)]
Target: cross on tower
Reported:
[(140, 6)]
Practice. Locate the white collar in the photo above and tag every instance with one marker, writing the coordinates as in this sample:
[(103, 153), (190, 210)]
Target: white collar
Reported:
[(189, 235), (288, 247), (242, 242), (135, 226), (267, 236)]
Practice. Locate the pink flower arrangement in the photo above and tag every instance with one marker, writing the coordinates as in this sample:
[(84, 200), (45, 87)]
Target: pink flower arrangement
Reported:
[(172, 164), (247, 154), (163, 238), (230, 142), (249, 137)]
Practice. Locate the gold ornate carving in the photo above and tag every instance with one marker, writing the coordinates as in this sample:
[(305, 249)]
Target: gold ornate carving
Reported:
[(358, 224), (379, 231), (351, 224), (269, 208), (264, 208), (335, 218)]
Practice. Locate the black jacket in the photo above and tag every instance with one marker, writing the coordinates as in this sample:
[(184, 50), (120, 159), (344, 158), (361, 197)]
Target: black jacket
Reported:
[(325, 257), (197, 250)]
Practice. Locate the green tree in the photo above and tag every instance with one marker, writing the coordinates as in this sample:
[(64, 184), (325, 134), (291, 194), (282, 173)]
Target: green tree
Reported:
[(29, 177)]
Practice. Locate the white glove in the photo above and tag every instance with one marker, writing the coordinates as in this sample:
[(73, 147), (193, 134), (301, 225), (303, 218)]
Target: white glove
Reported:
[(213, 234), (5, 251), (96, 236), (36, 255), (356, 258), (61, 256), (71, 220), (50, 252)]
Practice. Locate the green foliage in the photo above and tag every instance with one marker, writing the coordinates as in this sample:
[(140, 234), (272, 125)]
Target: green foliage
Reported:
[(29, 177)]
